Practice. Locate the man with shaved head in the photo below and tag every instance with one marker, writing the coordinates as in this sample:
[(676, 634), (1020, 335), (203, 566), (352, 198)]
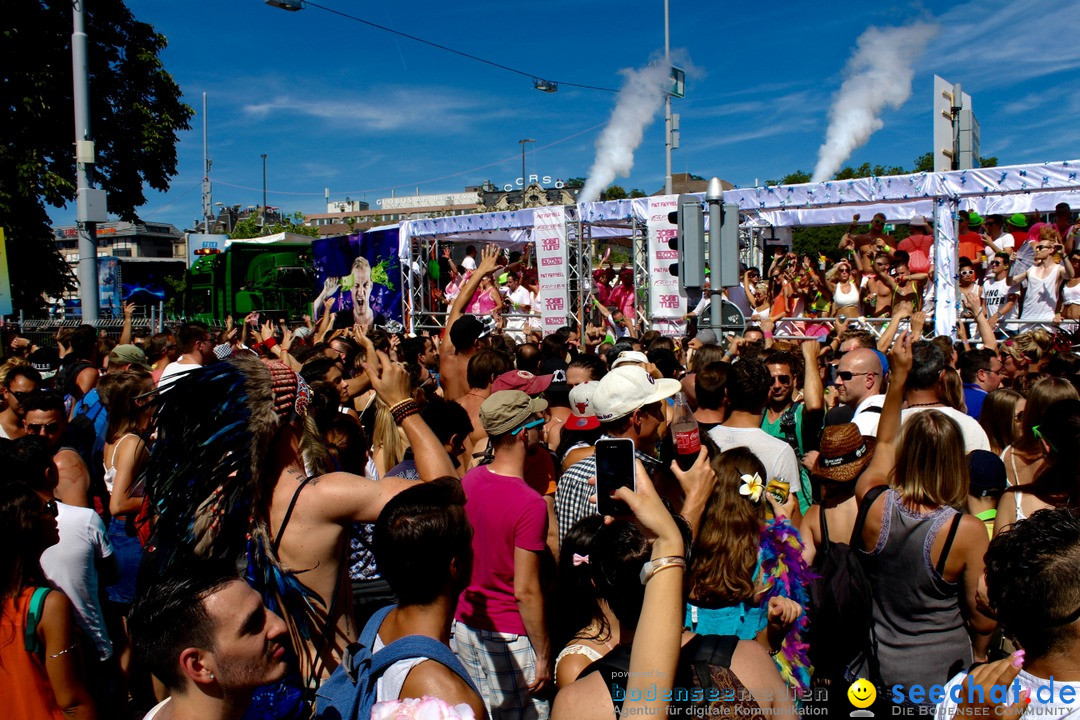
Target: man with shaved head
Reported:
[(858, 385)]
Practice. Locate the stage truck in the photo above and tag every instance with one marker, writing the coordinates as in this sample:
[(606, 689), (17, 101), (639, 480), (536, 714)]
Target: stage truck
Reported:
[(277, 280)]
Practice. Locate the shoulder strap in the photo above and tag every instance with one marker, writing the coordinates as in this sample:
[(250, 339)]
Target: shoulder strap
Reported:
[(873, 409), (824, 528), (33, 618), (288, 513), (371, 629), (940, 569), (614, 669), (869, 499), (419, 646)]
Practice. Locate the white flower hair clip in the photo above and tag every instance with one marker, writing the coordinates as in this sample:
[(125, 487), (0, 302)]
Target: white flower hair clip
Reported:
[(752, 487)]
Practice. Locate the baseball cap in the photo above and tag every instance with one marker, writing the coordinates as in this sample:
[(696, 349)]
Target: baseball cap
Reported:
[(505, 410), (582, 414), (128, 355), (467, 330), (626, 389), (987, 471), (46, 361), (706, 337), (630, 356), (521, 380)]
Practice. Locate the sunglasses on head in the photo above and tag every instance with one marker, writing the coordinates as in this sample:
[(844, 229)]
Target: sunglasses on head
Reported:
[(526, 426), (35, 428)]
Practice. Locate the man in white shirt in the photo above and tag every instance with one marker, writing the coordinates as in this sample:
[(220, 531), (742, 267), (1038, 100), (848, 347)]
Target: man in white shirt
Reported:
[(469, 261), (923, 393), (748, 385), (196, 346), (858, 385), (520, 301)]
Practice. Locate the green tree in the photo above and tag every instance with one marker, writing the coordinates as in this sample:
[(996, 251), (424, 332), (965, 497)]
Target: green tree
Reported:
[(575, 182), (637, 193), (250, 227), (614, 192), (136, 112), (924, 163)]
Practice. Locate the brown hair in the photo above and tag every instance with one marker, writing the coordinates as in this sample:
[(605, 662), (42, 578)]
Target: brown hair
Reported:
[(952, 388), (725, 553), (485, 366), (931, 467), (705, 355), (122, 395), (1044, 393), (997, 416)]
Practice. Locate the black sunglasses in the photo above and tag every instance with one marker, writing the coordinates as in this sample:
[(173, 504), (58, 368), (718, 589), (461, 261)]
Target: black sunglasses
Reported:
[(784, 379), (35, 428), (21, 395), (847, 375)]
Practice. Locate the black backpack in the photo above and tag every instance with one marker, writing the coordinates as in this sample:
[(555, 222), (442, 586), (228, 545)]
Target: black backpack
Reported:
[(67, 377), (841, 600)]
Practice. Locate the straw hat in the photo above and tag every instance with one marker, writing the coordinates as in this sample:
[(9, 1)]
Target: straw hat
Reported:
[(844, 453)]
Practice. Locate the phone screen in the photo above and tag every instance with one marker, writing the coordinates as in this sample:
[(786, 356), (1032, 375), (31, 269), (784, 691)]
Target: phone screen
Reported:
[(614, 469)]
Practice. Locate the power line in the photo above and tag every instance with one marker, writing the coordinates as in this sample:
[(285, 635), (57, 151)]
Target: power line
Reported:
[(452, 50)]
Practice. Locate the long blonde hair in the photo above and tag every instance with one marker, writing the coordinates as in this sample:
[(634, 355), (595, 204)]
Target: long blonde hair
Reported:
[(931, 466), (388, 437), (726, 549)]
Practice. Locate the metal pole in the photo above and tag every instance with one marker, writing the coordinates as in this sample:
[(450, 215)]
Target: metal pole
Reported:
[(206, 199), (87, 229), (523, 141), (264, 195), (714, 195), (667, 103)]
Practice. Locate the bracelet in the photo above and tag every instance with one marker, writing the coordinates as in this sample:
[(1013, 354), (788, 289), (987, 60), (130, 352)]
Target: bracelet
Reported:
[(399, 403), (65, 651), (651, 567), (404, 409), (269, 343)]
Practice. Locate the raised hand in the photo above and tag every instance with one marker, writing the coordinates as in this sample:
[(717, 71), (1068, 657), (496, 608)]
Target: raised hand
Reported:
[(900, 359), (129, 310), (390, 380), (488, 259)]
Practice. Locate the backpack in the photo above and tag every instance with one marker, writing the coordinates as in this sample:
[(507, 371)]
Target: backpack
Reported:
[(841, 600), (349, 693), (704, 684), (67, 379)]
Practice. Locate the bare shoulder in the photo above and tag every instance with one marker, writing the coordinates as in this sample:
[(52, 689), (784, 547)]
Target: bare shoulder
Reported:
[(435, 679), (586, 698)]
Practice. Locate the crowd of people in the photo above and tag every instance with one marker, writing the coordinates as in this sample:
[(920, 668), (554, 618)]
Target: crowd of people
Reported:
[(273, 522)]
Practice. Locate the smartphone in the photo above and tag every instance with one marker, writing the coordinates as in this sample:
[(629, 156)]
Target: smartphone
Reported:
[(614, 469)]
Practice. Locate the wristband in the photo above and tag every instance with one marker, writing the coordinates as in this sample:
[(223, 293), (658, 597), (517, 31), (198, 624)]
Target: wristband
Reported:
[(269, 343), (404, 409), (651, 567)]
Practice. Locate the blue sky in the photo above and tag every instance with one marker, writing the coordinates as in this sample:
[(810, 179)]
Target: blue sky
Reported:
[(334, 103)]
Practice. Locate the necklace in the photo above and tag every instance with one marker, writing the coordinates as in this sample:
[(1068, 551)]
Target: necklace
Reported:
[(929, 404)]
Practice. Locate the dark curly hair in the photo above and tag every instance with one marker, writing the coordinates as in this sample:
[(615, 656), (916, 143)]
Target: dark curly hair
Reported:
[(1037, 558)]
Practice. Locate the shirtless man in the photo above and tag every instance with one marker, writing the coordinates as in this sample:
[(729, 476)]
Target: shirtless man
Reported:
[(46, 418), (459, 344), (483, 368), (868, 243), (877, 295)]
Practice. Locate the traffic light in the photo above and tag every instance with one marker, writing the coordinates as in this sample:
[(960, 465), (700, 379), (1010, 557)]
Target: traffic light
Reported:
[(689, 241)]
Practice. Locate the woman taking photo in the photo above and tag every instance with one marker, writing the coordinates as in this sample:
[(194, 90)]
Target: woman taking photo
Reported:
[(923, 557), (41, 676)]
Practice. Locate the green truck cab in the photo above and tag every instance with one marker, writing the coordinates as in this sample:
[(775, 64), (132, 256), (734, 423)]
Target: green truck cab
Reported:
[(276, 280)]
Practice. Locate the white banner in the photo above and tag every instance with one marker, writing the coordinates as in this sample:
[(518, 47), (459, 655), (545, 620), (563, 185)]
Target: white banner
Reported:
[(553, 277), (666, 304)]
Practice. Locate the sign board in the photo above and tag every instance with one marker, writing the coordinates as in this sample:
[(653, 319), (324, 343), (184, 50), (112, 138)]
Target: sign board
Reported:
[(678, 82), (199, 244)]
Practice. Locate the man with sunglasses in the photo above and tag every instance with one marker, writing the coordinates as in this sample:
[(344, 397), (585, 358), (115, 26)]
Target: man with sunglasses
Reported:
[(45, 418), (859, 378), (500, 625), (18, 385)]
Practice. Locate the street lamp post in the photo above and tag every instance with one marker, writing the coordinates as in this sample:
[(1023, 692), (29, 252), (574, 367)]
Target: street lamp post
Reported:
[(264, 195), (523, 141), (667, 103)]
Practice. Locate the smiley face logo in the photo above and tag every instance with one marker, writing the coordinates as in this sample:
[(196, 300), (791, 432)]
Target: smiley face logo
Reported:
[(862, 693)]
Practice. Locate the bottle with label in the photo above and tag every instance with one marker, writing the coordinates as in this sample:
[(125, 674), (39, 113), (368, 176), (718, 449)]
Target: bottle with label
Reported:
[(686, 437)]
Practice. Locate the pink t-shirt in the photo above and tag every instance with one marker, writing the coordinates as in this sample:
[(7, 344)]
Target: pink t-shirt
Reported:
[(505, 514)]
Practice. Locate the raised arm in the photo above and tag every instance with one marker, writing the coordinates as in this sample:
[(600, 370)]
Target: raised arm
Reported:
[(888, 435), (125, 332), (486, 265)]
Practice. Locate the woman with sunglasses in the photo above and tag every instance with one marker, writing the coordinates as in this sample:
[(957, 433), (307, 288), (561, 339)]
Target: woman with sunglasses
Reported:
[(999, 297), (1056, 483), (1043, 280), (845, 291), (41, 671)]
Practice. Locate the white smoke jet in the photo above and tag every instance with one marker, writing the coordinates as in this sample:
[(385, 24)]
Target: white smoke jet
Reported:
[(641, 96), (878, 75)]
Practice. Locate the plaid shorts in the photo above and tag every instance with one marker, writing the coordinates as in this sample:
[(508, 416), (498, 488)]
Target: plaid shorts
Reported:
[(501, 665)]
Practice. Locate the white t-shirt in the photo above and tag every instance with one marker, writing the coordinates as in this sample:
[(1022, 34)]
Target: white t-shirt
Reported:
[(867, 422), (974, 436), (156, 709), (1055, 699), (168, 375), (775, 454), (996, 293), (70, 565)]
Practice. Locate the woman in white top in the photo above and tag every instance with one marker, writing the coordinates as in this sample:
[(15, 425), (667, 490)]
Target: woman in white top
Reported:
[(1070, 294), (1043, 280), (845, 291)]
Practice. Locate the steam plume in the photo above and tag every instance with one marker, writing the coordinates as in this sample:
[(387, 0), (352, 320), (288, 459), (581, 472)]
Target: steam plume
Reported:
[(638, 101), (878, 76)]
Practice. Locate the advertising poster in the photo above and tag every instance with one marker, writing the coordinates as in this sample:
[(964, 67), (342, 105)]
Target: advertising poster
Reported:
[(148, 282), (666, 302), (363, 276), (109, 302), (5, 281), (549, 234)]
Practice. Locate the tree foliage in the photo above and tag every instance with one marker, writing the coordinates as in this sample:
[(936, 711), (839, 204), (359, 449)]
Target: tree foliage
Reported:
[(136, 111), (251, 227)]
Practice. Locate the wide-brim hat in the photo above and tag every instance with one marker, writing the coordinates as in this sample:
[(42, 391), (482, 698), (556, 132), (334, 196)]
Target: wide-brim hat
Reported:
[(845, 452)]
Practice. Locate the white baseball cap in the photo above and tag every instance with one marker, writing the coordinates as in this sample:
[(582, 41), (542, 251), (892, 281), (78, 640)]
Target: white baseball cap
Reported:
[(626, 389), (630, 356)]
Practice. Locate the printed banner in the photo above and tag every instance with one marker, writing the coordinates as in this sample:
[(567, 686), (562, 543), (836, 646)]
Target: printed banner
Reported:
[(549, 234), (109, 292), (666, 304), (363, 275)]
